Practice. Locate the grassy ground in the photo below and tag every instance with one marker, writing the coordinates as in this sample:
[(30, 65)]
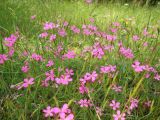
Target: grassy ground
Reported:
[(28, 103)]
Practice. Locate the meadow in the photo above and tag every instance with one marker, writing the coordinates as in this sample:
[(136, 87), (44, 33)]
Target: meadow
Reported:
[(79, 60)]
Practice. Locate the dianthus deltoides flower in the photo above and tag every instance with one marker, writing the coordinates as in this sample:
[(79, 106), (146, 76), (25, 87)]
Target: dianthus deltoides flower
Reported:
[(115, 105), (108, 69), (27, 82), (132, 106), (36, 57), (10, 41), (126, 52), (116, 88), (64, 79), (83, 89), (157, 77), (85, 103), (111, 37), (62, 32), (135, 37), (69, 72), (88, 77), (75, 29), (25, 68), (52, 37), (69, 55), (97, 50), (63, 113), (11, 52), (119, 116), (50, 75), (43, 35), (50, 63), (137, 67), (49, 26), (89, 1), (3, 58)]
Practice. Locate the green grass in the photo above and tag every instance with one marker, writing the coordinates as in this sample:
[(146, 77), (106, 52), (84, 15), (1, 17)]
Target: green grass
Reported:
[(28, 104)]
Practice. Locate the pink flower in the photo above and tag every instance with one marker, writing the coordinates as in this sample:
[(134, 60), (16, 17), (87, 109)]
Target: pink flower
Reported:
[(69, 117), (120, 43), (63, 113), (91, 20), (147, 103), (147, 75), (3, 58), (85, 103), (45, 83), (25, 68), (91, 77), (116, 24), (111, 37), (28, 82), (62, 32), (48, 26), (113, 30), (83, 81), (88, 1), (137, 67), (145, 32), (69, 72), (52, 37), (99, 111), (65, 109), (11, 52), (157, 77), (59, 49), (133, 104), (75, 29), (33, 17), (48, 112), (117, 88), (104, 35), (98, 52), (69, 55), (83, 89), (119, 116), (65, 23), (10, 41), (64, 79), (87, 32), (43, 35), (50, 75), (92, 28), (145, 44), (60, 69), (148, 68), (50, 63), (25, 53), (115, 105), (126, 52), (135, 38), (36, 57), (108, 69), (56, 110)]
